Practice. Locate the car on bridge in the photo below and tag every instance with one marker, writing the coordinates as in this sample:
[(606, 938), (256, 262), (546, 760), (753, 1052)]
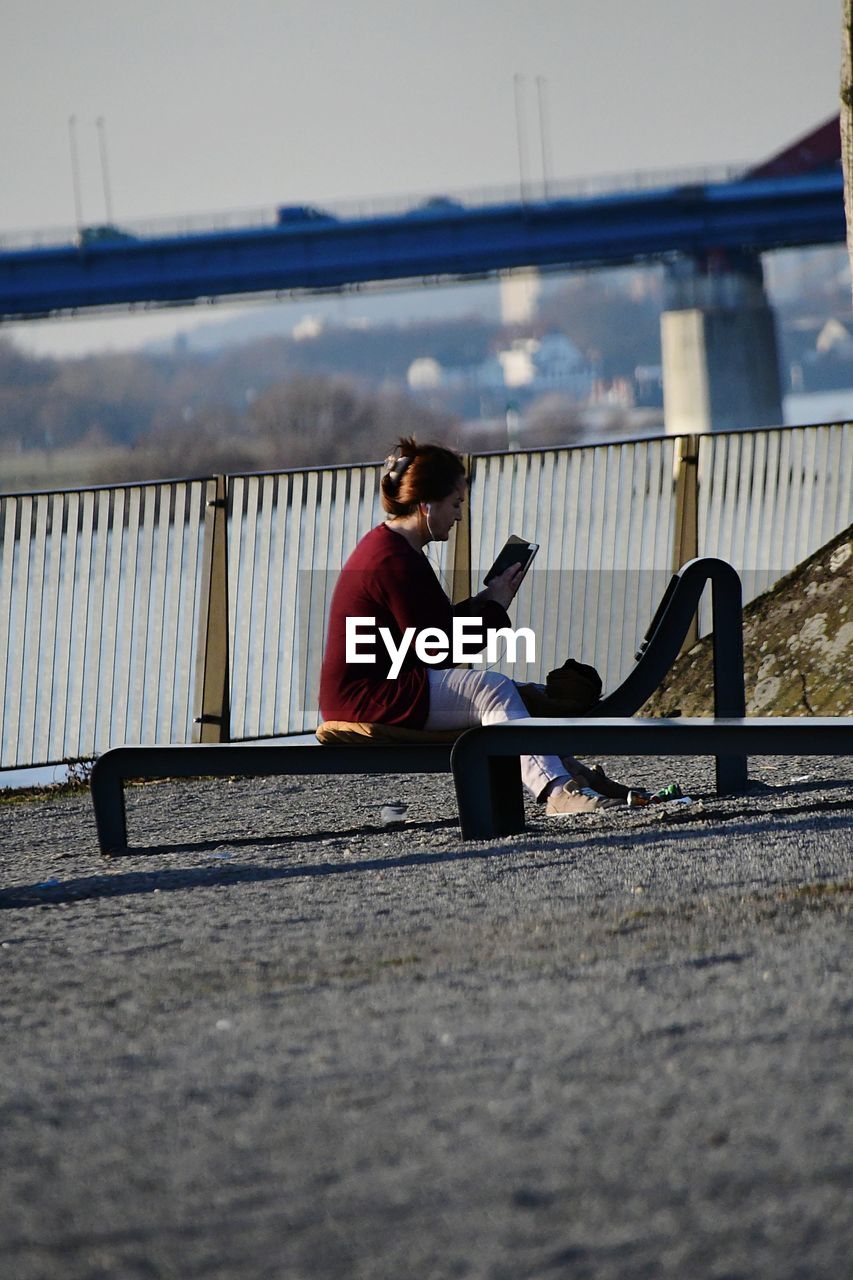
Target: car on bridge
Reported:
[(436, 206), (289, 214), (105, 234)]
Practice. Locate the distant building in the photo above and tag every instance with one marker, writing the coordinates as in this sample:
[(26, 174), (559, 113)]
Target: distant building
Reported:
[(558, 365), (528, 368)]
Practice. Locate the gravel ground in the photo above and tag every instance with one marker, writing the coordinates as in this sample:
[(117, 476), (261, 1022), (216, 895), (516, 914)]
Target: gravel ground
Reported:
[(281, 1041)]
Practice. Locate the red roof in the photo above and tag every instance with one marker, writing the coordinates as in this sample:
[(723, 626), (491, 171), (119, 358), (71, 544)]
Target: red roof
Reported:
[(820, 149)]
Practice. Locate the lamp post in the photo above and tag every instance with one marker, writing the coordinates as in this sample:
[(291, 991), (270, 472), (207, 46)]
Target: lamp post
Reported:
[(105, 172), (75, 170)]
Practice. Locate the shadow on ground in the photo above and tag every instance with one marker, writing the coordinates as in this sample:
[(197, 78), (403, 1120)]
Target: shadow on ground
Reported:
[(585, 844)]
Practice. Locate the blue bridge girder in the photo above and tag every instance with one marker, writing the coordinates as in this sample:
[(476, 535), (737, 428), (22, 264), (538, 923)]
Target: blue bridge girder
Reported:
[(449, 241)]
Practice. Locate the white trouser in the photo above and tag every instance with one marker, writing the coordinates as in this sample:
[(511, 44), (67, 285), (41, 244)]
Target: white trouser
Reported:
[(460, 697)]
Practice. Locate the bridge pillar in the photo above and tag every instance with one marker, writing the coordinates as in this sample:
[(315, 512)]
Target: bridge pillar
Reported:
[(718, 343)]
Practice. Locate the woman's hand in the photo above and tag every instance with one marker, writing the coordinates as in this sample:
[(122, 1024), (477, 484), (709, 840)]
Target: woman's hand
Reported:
[(503, 588)]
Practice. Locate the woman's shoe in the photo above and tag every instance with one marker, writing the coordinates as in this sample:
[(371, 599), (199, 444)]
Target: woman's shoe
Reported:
[(573, 797), (594, 777)]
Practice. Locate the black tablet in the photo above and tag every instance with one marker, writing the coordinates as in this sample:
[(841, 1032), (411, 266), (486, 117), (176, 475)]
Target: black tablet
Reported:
[(514, 551)]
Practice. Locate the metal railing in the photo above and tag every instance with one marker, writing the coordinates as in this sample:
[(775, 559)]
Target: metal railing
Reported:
[(197, 609), (99, 601)]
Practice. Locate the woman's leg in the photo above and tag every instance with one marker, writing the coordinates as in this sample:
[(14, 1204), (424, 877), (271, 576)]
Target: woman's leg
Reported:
[(593, 777), (460, 697)]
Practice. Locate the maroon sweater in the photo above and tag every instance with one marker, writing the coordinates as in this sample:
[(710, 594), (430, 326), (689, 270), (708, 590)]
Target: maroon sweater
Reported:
[(387, 579)]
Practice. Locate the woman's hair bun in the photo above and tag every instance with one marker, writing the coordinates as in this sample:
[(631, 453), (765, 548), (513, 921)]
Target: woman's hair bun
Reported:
[(395, 468), (416, 473)]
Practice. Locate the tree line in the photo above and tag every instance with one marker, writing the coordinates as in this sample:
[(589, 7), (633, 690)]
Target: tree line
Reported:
[(338, 396)]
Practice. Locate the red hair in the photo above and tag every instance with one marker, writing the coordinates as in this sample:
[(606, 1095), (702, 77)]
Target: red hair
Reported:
[(416, 473)]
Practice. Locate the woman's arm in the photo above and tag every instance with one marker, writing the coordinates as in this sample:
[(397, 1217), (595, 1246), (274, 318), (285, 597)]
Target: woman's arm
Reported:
[(503, 588), (415, 598)]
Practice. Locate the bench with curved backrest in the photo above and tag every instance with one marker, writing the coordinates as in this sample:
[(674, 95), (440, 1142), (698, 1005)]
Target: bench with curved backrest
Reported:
[(345, 748)]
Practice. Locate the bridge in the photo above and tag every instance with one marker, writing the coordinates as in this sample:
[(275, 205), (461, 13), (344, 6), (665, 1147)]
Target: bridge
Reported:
[(712, 232), (308, 249)]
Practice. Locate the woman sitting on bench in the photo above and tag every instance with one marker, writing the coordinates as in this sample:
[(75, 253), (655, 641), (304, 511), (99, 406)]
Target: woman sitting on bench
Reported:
[(388, 582)]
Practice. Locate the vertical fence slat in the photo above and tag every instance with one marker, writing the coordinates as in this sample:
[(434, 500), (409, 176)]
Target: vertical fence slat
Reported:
[(595, 523), (255, 695), (18, 625), (242, 592), (93, 690), (277, 517), (288, 654), (553, 551), (189, 612), (314, 570), (741, 504), (830, 504), (128, 595), (80, 619), (62, 668), (712, 483), (805, 515), (759, 509), (33, 628), (782, 497), (9, 509), (629, 587), (50, 735), (542, 595), (237, 499), (794, 495), (352, 509), (338, 550), (173, 573), (156, 609), (616, 558), (140, 613), (844, 516), (246, 618), (111, 605), (305, 594)]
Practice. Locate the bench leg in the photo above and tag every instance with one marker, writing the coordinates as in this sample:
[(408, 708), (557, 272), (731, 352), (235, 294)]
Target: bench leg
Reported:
[(732, 774), (490, 798), (506, 795), (729, 691), (110, 816)]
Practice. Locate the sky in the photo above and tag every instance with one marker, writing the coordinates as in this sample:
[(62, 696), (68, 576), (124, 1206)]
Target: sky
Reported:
[(216, 105)]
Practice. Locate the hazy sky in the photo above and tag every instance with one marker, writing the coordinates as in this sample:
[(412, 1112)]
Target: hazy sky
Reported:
[(216, 105)]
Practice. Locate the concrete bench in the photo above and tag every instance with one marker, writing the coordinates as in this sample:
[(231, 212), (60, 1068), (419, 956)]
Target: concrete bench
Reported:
[(487, 775)]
